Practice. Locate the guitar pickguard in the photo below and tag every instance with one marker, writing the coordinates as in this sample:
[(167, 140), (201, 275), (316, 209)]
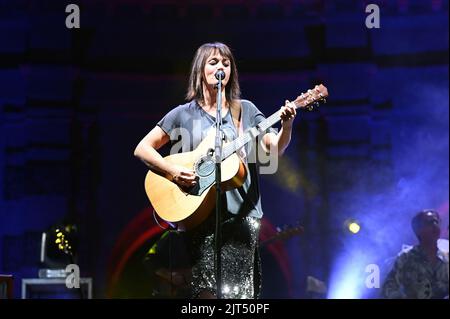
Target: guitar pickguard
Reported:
[(203, 183), (205, 170)]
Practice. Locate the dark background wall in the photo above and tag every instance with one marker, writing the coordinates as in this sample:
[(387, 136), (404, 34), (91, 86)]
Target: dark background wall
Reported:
[(75, 102)]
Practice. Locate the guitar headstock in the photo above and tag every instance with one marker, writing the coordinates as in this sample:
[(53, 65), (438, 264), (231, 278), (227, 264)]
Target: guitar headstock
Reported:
[(312, 98), (288, 231), (282, 233)]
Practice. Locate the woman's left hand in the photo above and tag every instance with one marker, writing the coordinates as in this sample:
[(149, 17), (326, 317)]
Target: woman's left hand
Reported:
[(287, 114)]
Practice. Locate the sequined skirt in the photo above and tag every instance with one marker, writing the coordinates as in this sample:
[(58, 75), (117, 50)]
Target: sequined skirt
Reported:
[(240, 260)]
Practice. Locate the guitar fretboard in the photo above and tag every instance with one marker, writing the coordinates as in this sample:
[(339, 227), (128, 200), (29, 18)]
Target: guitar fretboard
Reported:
[(250, 134)]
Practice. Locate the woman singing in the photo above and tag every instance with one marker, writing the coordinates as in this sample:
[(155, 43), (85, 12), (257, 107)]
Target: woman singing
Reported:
[(241, 271)]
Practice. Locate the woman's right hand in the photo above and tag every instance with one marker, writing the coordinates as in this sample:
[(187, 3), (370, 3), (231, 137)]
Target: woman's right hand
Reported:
[(182, 176)]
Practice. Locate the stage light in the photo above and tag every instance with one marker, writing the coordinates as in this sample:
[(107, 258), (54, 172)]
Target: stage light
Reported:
[(59, 246), (352, 226)]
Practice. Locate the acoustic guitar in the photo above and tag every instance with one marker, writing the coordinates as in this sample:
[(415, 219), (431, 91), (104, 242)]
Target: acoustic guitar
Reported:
[(188, 207)]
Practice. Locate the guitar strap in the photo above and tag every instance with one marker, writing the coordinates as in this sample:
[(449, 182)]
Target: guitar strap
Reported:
[(236, 114)]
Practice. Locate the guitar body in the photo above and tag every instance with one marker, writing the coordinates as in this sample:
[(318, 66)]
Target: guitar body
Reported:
[(190, 207)]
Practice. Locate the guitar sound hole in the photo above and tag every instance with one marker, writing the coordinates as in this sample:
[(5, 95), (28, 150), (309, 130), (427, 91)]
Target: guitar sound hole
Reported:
[(205, 166)]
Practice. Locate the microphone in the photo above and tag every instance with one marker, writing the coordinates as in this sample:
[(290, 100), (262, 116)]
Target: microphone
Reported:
[(220, 74)]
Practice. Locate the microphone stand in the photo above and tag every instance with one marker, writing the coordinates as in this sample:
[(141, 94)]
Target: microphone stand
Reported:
[(218, 161)]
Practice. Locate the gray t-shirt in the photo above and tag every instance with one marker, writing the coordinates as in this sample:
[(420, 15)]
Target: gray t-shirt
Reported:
[(188, 124)]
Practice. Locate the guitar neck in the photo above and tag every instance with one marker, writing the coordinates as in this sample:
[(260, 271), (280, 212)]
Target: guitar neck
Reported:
[(319, 93), (250, 134)]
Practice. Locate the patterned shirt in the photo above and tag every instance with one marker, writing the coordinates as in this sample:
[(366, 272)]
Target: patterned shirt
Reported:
[(414, 277)]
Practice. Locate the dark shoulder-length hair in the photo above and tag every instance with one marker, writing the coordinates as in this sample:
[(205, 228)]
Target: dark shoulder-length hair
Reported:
[(197, 76)]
